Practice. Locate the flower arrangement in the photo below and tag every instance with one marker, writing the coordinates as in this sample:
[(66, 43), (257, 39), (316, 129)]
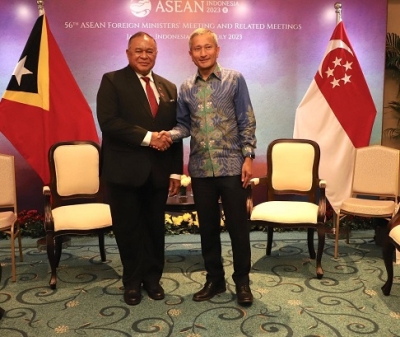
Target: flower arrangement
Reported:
[(31, 223), (186, 223)]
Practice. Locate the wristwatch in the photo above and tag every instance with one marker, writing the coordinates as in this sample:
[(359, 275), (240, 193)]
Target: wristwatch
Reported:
[(251, 155)]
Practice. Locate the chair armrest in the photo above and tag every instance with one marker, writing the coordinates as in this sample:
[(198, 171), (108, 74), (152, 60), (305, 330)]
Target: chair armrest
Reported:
[(258, 181), (48, 216), (322, 201), (249, 201)]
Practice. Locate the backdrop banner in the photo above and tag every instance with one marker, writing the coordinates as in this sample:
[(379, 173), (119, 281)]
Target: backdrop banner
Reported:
[(276, 44)]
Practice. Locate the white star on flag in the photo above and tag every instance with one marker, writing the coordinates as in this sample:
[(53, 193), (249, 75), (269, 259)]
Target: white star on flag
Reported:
[(21, 70), (331, 72)]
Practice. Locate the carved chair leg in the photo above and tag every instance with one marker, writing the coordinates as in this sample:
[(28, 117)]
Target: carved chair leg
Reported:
[(347, 229), (101, 246), (387, 252), (270, 236), (58, 249), (388, 249), (336, 220), (310, 242), (52, 259), (320, 250)]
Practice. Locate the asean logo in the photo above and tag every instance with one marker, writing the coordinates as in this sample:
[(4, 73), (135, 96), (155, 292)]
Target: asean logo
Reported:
[(140, 8)]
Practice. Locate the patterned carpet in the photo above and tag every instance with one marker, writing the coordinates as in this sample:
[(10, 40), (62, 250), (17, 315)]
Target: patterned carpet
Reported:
[(289, 299)]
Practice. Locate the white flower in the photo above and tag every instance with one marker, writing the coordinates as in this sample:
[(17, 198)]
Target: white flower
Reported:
[(185, 180)]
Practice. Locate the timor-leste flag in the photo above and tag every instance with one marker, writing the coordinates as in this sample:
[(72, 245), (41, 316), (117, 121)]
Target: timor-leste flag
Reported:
[(43, 104), (338, 113)]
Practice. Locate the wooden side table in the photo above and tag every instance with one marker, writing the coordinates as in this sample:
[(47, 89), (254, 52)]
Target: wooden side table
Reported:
[(184, 204), (180, 204)]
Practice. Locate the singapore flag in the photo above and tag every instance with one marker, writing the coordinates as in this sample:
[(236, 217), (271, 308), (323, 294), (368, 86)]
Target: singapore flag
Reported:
[(338, 113)]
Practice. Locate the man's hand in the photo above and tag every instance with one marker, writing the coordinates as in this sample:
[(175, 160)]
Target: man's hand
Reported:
[(164, 133), (174, 185), (159, 141), (247, 171)]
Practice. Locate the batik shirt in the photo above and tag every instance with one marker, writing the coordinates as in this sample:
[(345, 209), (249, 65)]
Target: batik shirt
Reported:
[(218, 115)]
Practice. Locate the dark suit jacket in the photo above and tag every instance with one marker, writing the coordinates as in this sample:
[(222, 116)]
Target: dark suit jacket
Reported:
[(125, 117)]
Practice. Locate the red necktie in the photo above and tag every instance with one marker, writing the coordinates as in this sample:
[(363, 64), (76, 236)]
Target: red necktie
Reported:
[(150, 96)]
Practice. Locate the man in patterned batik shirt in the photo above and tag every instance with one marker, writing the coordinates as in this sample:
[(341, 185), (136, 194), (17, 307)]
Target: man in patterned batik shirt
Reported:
[(214, 108)]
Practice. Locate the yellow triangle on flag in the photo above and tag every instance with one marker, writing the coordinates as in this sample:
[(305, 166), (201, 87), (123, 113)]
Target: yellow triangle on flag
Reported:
[(42, 98)]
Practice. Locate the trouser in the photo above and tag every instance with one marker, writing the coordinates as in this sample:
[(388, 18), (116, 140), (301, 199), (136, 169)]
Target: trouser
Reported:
[(206, 193), (138, 224)]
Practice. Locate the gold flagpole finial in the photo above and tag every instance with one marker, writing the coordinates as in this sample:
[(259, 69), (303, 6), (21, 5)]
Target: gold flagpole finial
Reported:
[(338, 10), (40, 4)]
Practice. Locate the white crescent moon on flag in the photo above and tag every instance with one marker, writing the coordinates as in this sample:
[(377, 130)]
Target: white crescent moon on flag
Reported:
[(332, 45)]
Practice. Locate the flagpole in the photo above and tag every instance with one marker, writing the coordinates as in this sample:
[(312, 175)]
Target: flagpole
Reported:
[(40, 4), (338, 10)]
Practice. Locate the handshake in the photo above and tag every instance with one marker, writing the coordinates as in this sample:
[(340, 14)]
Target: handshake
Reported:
[(160, 141)]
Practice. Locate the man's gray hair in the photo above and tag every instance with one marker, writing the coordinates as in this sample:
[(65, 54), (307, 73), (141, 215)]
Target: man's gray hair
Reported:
[(202, 31), (139, 34)]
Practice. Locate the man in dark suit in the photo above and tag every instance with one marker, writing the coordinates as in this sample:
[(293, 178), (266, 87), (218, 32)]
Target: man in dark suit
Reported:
[(139, 178)]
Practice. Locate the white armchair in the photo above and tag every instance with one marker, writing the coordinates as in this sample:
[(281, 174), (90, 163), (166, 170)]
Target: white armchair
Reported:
[(292, 172)]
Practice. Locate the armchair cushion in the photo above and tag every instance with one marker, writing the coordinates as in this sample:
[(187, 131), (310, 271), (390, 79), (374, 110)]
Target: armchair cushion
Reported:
[(395, 234), (81, 217), (7, 219), (367, 206), (289, 212)]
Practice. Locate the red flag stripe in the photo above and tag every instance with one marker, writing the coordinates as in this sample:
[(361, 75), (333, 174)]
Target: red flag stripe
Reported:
[(343, 85)]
